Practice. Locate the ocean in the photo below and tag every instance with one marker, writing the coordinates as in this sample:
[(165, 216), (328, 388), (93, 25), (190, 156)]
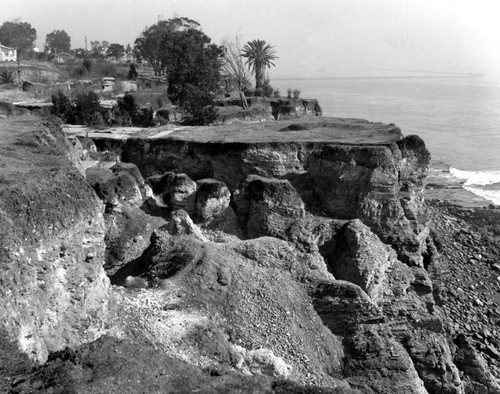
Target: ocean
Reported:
[(457, 117)]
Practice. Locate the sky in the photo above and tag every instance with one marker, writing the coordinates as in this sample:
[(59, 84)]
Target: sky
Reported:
[(313, 39)]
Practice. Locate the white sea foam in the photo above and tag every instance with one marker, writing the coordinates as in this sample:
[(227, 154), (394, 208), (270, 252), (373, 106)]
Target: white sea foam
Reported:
[(476, 178), (490, 195)]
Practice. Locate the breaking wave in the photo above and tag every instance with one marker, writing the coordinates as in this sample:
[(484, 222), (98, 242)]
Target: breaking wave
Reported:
[(476, 177), (485, 184)]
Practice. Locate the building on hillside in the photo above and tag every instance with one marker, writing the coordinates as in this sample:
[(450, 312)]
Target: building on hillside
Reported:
[(7, 54), (62, 57)]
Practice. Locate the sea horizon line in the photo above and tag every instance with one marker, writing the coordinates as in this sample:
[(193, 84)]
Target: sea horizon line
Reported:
[(380, 77)]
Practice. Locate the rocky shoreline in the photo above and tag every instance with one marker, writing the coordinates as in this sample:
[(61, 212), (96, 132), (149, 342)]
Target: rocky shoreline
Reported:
[(299, 258), (471, 275)]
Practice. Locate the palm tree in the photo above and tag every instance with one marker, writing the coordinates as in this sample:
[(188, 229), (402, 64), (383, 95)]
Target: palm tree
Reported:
[(260, 55)]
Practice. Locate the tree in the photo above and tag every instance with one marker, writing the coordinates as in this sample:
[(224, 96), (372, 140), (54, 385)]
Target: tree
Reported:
[(18, 35), (260, 55), (99, 48), (116, 51), (234, 71), (58, 41), (79, 53), (148, 45), (193, 67)]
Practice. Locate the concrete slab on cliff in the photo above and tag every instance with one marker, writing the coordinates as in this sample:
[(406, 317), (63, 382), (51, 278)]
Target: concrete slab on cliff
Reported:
[(306, 129)]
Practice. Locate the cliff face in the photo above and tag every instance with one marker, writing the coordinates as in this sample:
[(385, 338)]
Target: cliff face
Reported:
[(345, 168), (53, 290), (346, 192), (297, 251)]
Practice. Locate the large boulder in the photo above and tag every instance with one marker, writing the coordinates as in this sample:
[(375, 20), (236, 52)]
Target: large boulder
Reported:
[(343, 305), (376, 362), (114, 187), (181, 224), (212, 199), (161, 183), (182, 193), (478, 378), (269, 206), (359, 257), (433, 361)]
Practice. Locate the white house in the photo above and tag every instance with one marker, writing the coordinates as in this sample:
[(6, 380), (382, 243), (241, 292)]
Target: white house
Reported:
[(7, 54)]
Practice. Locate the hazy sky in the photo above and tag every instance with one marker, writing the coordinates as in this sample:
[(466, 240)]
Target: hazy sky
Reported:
[(314, 38)]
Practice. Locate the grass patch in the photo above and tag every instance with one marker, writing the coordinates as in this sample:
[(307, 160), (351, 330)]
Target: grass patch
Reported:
[(155, 98)]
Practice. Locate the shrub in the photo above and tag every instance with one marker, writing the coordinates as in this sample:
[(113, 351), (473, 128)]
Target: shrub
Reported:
[(198, 105), (88, 110), (7, 76), (296, 93), (276, 93), (42, 56), (258, 92), (127, 105), (62, 107), (289, 93), (132, 72), (144, 118), (108, 70), (267, 89), (130, 114), (87, 65), (248, 92)]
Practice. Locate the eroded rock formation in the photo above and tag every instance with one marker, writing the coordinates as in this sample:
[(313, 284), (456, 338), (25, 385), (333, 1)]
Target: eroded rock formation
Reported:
[(53, 289), (345, 168), (299, 252)]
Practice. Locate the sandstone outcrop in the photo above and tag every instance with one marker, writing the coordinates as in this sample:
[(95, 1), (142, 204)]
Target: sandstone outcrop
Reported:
[(376, 362), (345, 169), (212, 199), (298, 251), (109, 365), (54, 292), (269, 206), (254, 295)]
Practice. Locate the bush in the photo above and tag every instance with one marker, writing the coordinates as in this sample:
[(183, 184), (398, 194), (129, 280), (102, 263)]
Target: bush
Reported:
[(198, 105), (268, 90), (7, 76), (289, 93), (108, 70), (62, 107), (296, 93), (145, 118), (127, 105), (87, 65), (248, 92), (130, 114), (88, 110), (42, 56), (276, 93), (258, 92), (132, 72)]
